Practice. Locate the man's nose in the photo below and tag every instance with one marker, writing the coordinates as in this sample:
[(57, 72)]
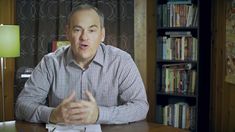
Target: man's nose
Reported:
[(84, 36)]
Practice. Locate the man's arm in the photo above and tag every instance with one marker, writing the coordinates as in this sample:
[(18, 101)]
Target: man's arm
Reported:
[(30, 105), (133, 104)]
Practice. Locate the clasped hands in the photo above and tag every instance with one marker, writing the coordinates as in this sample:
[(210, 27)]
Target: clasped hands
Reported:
[(70, 111)]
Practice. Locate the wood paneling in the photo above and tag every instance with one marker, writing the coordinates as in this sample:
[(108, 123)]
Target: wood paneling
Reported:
[(144, 48), (217, 56), (228, 89), (151, 58), (7, 16), (140, 38), (231, 110), (222, 94)]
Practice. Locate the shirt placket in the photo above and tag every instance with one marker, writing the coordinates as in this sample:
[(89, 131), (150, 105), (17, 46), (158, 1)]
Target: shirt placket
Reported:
[(83, 85)]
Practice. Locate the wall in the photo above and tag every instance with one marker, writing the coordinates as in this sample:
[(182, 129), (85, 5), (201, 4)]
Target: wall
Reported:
[(229, 65), (43, 21), (7, 16), (222, 94), (144, 48)]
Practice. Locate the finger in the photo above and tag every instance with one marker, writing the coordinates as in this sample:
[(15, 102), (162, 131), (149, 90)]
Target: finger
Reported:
[(70, 98), (78, 111), (77, 117), (76, 104), (64, 113), (90, 96)]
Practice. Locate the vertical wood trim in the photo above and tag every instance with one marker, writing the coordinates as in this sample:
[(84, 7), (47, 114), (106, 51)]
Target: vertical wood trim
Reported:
[(144, 48), (218, 70), (151, 58), (7, 16), (231, 108), (140, 38)]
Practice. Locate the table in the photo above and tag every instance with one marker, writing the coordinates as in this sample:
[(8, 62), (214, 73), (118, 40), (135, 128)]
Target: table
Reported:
[(142, 126)]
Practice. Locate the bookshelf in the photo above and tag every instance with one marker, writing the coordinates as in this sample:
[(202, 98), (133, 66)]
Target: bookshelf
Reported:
[(183, 60)]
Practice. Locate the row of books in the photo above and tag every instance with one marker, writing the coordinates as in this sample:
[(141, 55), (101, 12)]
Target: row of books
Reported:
[(179, 1), (177, 15), (178, 78), (178, 47), (179, 115)]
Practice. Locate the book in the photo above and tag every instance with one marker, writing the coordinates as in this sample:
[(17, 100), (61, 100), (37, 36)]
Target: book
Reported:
[(178, 33), (180, 78), (179, 1), (159, 111)]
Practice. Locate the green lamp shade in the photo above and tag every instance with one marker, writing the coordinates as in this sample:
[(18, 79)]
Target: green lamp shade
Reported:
[(9, 41)]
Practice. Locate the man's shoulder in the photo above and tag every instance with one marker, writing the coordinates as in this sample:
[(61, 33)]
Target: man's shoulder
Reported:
[(58, 54), (115, 52)]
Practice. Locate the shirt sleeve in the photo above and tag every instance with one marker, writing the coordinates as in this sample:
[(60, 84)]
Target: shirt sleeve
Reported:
[(30, 105), (133, 105)]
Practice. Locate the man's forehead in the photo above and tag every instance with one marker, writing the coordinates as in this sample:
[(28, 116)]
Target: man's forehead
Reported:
[(85, 12), (88, 18)]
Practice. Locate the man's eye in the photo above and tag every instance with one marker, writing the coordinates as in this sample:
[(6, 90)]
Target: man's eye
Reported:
[(92, 30), (77, 30)]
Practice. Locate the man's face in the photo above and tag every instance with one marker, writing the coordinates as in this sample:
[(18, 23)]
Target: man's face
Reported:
[(85, 34)]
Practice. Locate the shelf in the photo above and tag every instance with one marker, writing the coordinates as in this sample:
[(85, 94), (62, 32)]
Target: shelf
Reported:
[(189, 47), (177, 94), (177, 29), (187, 3), (175, 61), (161, 31)]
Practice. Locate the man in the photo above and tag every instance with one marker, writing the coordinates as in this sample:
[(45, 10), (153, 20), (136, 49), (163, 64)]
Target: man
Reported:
[(87, 82)]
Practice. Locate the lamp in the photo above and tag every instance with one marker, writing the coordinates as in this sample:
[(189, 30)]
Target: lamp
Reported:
[(9, 47)]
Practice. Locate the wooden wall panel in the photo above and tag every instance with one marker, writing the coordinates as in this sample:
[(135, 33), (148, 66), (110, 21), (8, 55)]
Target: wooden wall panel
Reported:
[(140, 38), (217, 67), (228, 98), (231, 110), (217, 55), (144, 48), (7, 16), (151, 58), (222, 94)]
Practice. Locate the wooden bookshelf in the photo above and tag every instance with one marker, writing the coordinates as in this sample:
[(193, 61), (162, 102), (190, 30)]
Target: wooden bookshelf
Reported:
[(172, 103)]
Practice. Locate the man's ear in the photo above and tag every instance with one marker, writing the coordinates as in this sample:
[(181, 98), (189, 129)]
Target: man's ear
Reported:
[(103, 34)]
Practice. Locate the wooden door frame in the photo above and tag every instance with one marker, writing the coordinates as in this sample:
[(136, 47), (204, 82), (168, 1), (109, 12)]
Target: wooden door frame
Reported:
[(144, 48), (7, 16), (219, 100)]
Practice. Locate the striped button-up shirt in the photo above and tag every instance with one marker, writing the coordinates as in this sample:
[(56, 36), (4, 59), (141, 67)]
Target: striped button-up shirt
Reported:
[(112, 77)]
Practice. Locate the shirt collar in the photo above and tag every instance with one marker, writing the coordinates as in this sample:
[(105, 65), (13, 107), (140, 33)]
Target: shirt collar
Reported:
[(69, 57), (99, 57)]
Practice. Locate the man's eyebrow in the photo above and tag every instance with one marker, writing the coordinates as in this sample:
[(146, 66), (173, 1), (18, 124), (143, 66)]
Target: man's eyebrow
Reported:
[(77, 26), (93, 26)]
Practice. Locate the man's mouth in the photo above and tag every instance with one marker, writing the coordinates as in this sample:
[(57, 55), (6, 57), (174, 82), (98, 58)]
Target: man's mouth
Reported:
[(83, 46)]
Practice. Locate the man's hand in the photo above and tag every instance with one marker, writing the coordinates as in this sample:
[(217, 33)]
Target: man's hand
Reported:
[(80, 112), (60, 113), (84, 112)]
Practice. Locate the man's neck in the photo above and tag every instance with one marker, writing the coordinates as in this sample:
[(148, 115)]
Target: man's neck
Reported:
[(84, 63)]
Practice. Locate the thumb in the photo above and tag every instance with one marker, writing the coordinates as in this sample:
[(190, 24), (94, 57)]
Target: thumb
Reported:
[(70, 98), (90, 96)]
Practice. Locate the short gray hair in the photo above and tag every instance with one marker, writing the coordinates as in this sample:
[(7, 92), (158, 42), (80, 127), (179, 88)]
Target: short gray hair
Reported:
[(86, 7)]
